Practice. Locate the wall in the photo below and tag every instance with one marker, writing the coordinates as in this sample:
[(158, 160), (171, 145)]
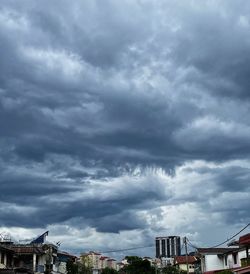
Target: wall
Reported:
[(184, 267), (213, 262)]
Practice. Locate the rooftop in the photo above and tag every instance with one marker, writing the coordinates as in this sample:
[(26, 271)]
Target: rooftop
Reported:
[(245, 239), (217, 250), (182, 259)]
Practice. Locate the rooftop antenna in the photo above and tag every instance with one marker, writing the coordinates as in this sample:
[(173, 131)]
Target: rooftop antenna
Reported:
[(5, 237)]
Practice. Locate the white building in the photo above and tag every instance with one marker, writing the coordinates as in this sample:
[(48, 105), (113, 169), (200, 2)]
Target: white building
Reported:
[(233, 258), (214, 258)]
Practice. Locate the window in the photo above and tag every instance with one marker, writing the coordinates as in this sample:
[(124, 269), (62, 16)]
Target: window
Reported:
[(225, 259)]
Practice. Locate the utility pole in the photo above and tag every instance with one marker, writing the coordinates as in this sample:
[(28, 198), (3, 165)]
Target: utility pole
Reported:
[(185, 243)]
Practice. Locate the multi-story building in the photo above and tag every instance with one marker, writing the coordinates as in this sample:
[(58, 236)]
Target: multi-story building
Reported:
[(92, 261), (96, 262), (168, 247)]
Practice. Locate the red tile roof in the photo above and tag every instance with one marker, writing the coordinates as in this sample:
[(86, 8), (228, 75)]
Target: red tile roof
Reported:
[(182, 259), (104, 258)]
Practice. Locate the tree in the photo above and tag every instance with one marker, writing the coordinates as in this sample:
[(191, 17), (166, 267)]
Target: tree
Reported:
[(83, 269), (77, 268), (226, 271), (71, 267), (108, 270), (137, 266), (170, 270)]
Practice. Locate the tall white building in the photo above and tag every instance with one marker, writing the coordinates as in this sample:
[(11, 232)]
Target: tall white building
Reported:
[(168, 247)]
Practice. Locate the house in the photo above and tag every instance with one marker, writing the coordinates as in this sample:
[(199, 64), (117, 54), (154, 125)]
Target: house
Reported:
[(6, 256), (213, 259), (182, 262), (236, 259), (244, 243), (243, 255), (36, 257)]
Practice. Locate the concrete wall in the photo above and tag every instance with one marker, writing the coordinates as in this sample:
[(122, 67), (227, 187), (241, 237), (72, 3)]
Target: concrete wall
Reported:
[(184, 267), (213, 262)]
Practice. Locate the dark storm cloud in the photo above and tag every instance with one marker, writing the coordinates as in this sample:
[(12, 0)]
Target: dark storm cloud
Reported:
[(35, 198), (90, 91), (209, 46)]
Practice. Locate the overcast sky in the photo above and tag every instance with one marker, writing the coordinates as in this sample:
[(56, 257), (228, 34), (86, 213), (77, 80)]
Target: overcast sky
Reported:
[(124, 120)]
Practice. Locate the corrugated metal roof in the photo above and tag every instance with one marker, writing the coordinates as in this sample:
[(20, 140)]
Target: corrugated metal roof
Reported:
[(245, 239), (28, 249), (219, 250)]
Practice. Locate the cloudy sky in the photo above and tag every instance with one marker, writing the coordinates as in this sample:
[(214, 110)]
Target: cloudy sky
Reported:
[(124, 120)]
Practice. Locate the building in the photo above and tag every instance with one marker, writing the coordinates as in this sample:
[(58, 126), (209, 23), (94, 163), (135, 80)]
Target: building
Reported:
[(62, 259), (6, 257), (168, 247), (213, 259), (33, 257), (36, 257), (182, 262), (97, 262), (111, 263), (103, 262), (92, 260), (236, 258)]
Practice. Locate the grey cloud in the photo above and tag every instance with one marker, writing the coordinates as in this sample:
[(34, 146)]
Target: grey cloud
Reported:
[(91, 91)]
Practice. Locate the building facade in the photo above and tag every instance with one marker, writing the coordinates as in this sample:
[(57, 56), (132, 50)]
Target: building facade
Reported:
[(168, 247)]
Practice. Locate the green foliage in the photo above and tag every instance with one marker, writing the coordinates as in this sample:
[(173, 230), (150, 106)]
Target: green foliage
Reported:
[(83, 269), (71, 267), (108, 270), (226, 271), (137, 266), (77, 268), (245, 262), (171, 270), (133, 259)]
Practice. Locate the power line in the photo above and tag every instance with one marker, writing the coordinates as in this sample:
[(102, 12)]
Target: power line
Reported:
[(191, 245), (231, 236), (188, 242), (127, 249), (227, 240)]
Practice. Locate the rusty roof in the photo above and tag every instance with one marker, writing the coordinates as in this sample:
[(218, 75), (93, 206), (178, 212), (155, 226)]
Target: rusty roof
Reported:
[(28, 249), (245, 239), (182, 259)]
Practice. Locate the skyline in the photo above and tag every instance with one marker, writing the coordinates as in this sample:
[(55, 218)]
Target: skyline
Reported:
[(124, 121)]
